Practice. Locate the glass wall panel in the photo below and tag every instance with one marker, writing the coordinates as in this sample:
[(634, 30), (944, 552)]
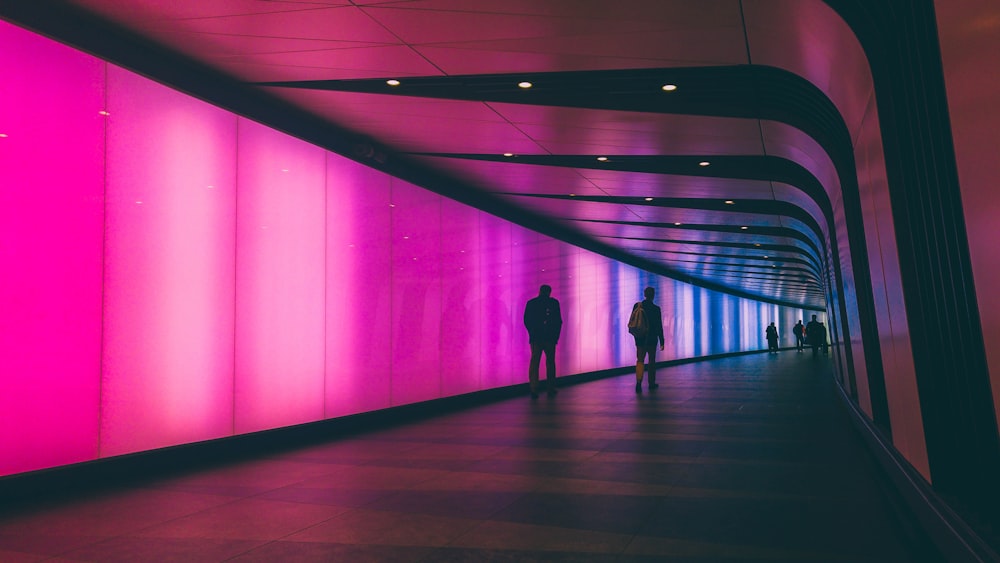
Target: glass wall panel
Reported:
[(280, 280), (416, 294), (358, 292), (51, 223), (169, 268)]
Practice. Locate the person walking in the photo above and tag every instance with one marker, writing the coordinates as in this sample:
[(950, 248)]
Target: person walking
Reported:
[(543, 319), (799, 330), (772, 338), (648, 331)]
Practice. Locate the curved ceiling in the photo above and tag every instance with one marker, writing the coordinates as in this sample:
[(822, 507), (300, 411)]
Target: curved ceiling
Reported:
[(725, 181)]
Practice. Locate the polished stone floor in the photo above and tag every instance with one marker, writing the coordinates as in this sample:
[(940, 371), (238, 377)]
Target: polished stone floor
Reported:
[(746, 458)]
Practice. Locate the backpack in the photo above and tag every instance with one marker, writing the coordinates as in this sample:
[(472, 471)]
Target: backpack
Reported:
[(638, 326)]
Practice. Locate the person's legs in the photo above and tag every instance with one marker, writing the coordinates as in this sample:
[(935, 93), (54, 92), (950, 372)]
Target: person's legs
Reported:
[(550, 367), (536, 357), (640, 356), (652, 367)]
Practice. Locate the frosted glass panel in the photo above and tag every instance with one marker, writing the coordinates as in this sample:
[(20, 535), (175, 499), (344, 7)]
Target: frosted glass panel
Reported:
[(280, 277), (168, 268), (416, 295), (51, 218), (358, 292), (461, 305)]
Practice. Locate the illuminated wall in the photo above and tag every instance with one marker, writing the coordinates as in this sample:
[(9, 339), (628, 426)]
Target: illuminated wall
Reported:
[(174, 273)]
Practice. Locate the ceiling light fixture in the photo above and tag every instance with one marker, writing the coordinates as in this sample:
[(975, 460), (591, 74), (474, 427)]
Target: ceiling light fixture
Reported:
[(102, 112), (729, 202), (649, 199), (677, 224), (704, 163), (669, 87), (744, 228), (602, 158), (392, 82), (525, 85), (508, 154)]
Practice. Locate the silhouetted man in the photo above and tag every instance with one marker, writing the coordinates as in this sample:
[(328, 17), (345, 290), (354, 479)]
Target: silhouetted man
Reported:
[(815, 334), (543, 319), (772, 338)]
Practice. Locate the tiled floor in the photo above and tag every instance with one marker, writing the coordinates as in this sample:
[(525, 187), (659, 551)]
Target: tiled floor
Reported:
[(733, 459)]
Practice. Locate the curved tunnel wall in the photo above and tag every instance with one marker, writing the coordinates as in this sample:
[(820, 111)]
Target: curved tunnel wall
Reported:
[(175, 273)]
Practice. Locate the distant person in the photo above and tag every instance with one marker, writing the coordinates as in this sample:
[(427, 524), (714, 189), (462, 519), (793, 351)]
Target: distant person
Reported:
[(799, 330), (822, 338), (646, 325), (815, 334), (771, 332), (543, 319)]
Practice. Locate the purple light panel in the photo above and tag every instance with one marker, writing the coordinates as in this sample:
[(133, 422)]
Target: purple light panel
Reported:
[(179, 274)]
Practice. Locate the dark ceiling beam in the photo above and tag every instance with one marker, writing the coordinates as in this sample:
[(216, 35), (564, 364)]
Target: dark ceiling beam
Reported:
[(747, 206)]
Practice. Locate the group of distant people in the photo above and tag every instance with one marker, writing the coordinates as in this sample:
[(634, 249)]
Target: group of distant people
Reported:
[(543, 319), (812, 334)]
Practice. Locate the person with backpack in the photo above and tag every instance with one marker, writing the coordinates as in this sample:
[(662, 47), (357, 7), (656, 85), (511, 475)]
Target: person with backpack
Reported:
[(543, 319), (800, 334), (646, 325)]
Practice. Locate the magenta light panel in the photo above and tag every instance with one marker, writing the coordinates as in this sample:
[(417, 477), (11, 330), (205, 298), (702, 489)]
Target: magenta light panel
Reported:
[(173, 273), (51, 222), (280, 278)]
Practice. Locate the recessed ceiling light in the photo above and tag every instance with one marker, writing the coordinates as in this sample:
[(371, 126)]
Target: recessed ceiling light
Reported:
[(669, 87), (524, 84), (744, 228), (677, 224), (392, 82), (729, 202), (649, 199), (102, 112), (508, 154), (765, 256), (704, 163), (756, 244), (572, 195), (602, 158)]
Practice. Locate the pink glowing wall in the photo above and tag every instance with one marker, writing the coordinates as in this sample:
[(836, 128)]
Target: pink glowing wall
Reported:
[(169, 260), (51, 222), (174, 273)]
